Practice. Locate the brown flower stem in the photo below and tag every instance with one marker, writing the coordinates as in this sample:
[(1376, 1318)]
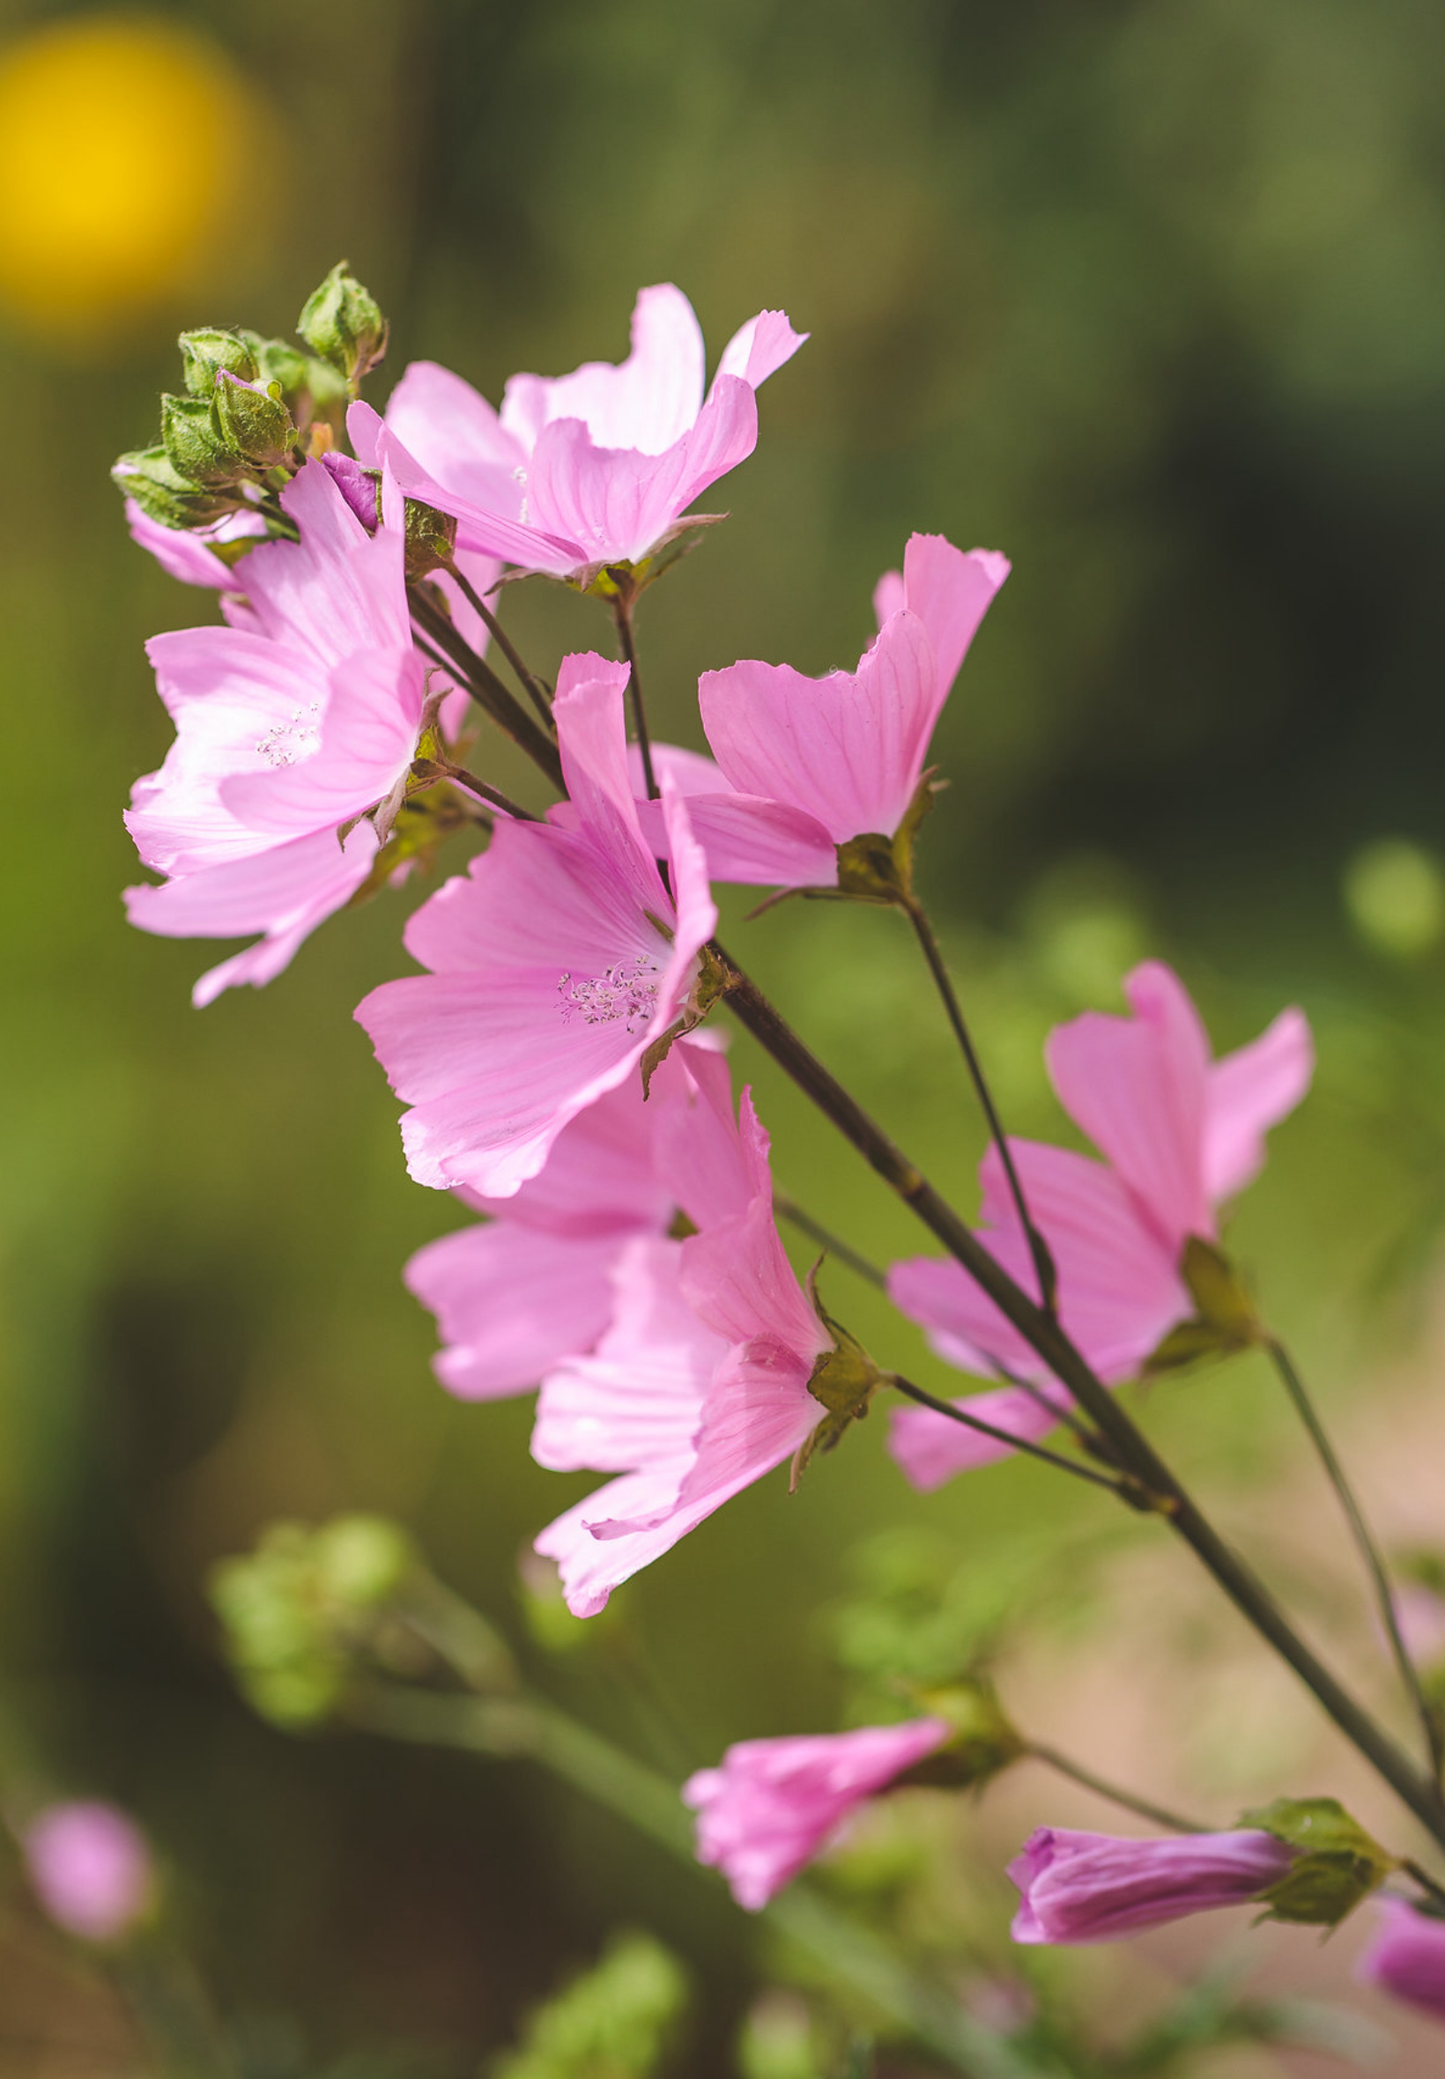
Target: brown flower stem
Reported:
[(622, 615), (484, 686), (1365, 1543), (1133, 1451), (533, 687), (1038, 1248), (1157, 1815), (1002, 1436)]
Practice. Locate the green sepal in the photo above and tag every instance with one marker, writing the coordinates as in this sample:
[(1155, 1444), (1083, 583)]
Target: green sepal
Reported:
[(1337, 1864), (423, 823), (844, 1380), (712, 984), (1224, 1320), (431, 537), (255, 422), (628, 581), (983, 1741), (209, 349), (342, 323), (875, 868), (196, 449)]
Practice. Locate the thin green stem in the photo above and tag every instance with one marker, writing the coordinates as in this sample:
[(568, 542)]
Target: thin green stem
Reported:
[(533, 687), (788, 1209), (1132, 1449), (1365, 1543), (1157, 1815), (444, 769), (485, 687), (622, 615), (1038, 1248), (1002, 1436)]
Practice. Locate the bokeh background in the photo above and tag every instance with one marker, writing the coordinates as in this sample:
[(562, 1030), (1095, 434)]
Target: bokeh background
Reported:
[(1148, 293)]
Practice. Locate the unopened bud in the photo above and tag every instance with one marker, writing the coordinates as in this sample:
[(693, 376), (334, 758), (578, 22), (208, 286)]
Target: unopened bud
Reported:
[(255, 422), (343, 323), (430, 538), (160, 490), (1336, 1862), (193, 445), (209, 350), (361, 1560)]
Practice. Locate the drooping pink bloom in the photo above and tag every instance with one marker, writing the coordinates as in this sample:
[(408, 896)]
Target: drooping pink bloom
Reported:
[(555, 963), (90, 1867), (773, 1805), (700, 1385), (585, 469), (189, 555), (841, 756), (1407, 1957), (289, 728), (1078, 1888), (1182, 1133), (533, 1285)]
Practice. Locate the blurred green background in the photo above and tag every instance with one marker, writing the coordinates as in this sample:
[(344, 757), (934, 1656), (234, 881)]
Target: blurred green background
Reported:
[(1149, 294)]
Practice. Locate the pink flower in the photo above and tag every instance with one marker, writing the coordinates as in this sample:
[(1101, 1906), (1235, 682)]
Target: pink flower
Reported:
[(1079, 1888), (290, 727), (775, 1804), (700, 1385), (842, 756), (555, 964), (585, 469), (534, 1285), (1407, 1957), (91, 1869), (188, 555), (1420, 1615), (1183, 1132)]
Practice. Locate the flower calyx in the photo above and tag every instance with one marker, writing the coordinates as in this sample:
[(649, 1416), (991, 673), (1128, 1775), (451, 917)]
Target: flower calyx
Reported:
[(1224, 1320), (713, 981), (877, 868), (982, 1743), (843, 1380), (1337, 1864)]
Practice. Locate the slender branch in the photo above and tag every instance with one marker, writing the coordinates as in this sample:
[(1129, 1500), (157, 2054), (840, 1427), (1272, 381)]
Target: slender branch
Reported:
[(444, 769), (1003, 1436), (1061, 1411), (1366, 1545), (1134, 1452), (622, 614), (531, 684), (788, 1209), (1426, 1882), (1157, 1815), (1038, 1248), (484, 686)]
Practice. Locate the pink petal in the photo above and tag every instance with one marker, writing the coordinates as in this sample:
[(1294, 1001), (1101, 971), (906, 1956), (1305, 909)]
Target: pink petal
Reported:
[(338, 590), (760, 347), (456, 437), (189, 556), (928, 1449), (950, 592), (647, 402), (600, 1181), (367, 742), (591, 1567), (1248, 1092), (511, 1303)]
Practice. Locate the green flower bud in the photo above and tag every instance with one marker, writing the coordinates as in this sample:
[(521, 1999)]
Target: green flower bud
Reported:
[(204, 353), (194, 446), (150, 477), (255, 422), (277, 361), (342, 322), (361, 1560)]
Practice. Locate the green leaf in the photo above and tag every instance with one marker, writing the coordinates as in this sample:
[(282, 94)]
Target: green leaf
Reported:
[(616, 2021)]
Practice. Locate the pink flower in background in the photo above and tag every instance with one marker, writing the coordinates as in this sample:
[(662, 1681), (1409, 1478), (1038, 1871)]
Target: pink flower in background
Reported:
[(1420, 1615), (90, 1867), (1079, 1888), (1407, 1957), (1182, 1133), (584, 469), (824, 760), (774, 1804), (555, 963), (700, 1386), (289, 727), (188, 555)]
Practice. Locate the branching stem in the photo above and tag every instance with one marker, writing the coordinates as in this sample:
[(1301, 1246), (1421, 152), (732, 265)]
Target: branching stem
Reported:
[(622, 615), (1002, 1436), (533, 687)]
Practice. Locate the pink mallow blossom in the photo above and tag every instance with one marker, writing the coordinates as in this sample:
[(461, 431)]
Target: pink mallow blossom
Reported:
[(556, 962), (1078, 1888), (580, 470), (1407, 1957), (1182, 1132), (291, 725), (90, 1868), (773, 1805), (701, 1384), (805, 764), (533, 1285)]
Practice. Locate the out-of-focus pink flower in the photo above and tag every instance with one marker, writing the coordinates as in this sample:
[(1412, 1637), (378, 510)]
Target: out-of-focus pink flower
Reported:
[(90, 1867), (774, 1804), (1182, 1133), (700, 1386), (289, 727), (584, 469), (188, 555), (819, 761), (1420, 1614), (555, 963), (1079, 1888), (1407, 1957), (533, 1285)]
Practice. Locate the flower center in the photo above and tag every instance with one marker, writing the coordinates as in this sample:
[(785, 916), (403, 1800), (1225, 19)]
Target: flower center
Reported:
[(624, 994), (293, 740)]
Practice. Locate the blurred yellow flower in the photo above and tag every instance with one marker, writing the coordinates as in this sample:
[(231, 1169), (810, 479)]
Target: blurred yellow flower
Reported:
[(127, 147)]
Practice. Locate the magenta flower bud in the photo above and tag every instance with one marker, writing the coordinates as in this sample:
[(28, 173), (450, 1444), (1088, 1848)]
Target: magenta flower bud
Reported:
[(774, 1804), (1092, 1888), (90, 1867), (1407, 1957)]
